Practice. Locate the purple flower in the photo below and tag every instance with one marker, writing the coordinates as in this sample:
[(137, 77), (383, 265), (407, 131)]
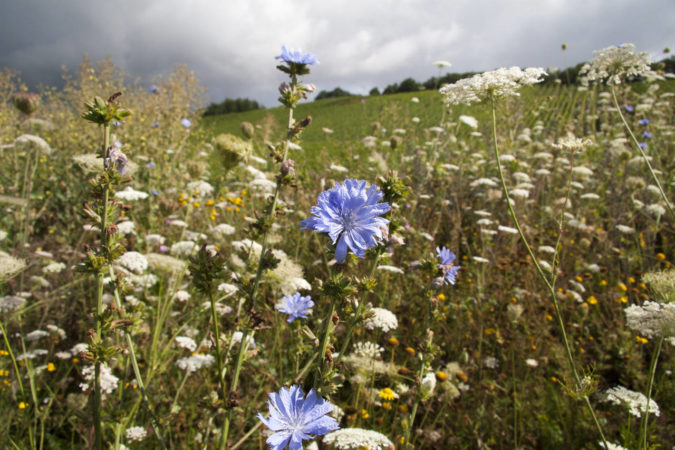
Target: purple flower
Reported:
[(116, 159), (154, 124), (296, 306), (643, 121), (629, 108), (646, 134), (163, 248), (185, 122), (153, 89), (349, 213), (150, 165), (643, 145), (296, 418), (116, 123), (291, 55), (154, 192), (446, 265)]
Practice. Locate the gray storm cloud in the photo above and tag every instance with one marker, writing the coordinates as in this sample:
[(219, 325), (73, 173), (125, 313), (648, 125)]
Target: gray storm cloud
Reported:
[(361, 44)]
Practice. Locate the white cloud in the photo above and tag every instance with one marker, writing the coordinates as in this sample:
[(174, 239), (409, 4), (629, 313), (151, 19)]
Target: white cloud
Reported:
[(360, 43)]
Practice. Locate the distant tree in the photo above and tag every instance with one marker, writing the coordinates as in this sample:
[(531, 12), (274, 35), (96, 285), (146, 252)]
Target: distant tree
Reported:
[(231, 105), (337, 92), (409, 85), (374, 91)]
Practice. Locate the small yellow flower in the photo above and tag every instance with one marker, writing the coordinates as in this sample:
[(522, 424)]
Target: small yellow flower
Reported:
[(196, 204), (660, 257), (462, 376), (603, 283), (641, 340), (549, 317), (410, 350), (402, 409), (51, 367), (364, 413), (387, 394), (441, 297), (623, 299), (210, 203), (622, 287), (642, 286), (393, 341), (386, 405), (212, 217), (243, 192), (592, 300), (631, 280), (579, 279), (23, 405), (442, 376)]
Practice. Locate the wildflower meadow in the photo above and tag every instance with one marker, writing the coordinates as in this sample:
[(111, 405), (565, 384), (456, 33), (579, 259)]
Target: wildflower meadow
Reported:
[(483, 265)]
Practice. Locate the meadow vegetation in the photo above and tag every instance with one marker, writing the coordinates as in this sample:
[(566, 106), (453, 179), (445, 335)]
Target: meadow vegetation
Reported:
[(157, 287)]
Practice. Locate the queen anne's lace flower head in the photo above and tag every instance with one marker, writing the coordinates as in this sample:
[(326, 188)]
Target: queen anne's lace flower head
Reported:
[(381, 318), (636, 402), (349, 213), (355, 438), (616, 64), (296, 418), (652, 319), (498, 83)]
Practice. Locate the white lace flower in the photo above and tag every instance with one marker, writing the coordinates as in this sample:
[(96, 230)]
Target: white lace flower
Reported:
[(381, 318), (499, 83)]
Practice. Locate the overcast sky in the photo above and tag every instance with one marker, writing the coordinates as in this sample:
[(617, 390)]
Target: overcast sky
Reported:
[(360, 44)]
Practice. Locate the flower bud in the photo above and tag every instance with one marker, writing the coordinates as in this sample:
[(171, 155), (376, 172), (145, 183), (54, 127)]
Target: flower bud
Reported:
[(116, 159), (247, 129), (26, 102), (288, 167)]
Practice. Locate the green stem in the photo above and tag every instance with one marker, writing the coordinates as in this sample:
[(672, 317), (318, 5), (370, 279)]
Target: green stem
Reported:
[(219, 362), (324, 344), (98, 432), (650, 384), (137, 371), (549, 286), (642, 153), (254, 291)]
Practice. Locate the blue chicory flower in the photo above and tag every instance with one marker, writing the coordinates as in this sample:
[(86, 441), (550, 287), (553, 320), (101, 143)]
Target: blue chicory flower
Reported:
[(153, 89), (151, 165), (449, 269), (643, 121), (296, 306), (349, 213), (643, 145), (646, 134), (116, 123), (154, 192), (291, 55), (185, 122), (154, 124), (629, 108), (296, 418)]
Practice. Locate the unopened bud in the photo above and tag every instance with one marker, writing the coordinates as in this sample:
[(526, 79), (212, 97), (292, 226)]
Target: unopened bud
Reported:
[(247, 129), (26, 102)]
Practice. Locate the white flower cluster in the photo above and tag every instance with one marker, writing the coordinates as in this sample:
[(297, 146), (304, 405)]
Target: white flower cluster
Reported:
[(134, 261), (30, 142), (186, 342), (381, 318), (10, 266), (652, 318), (136, 434), (10, 303), (129, 194), (368, 350), (200, 188), (108, 380), (194, 363), (498, 83), (616, 63), (354, 438), (636, 402)]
